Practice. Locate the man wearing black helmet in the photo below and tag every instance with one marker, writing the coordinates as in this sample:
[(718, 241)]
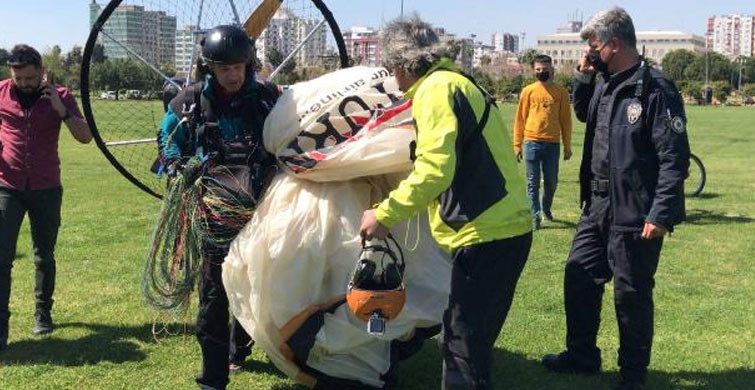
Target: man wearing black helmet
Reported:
[(220, 120)]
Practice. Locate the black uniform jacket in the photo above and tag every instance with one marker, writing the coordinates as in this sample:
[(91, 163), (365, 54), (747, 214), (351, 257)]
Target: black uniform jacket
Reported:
[(648, 150)]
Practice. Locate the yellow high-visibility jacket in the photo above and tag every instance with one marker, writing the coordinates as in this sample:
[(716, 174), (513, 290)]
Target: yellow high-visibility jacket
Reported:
[(468, 181)]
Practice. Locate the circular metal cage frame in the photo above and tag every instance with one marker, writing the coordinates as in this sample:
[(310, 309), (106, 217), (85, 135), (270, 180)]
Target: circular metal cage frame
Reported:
[(85, 79)]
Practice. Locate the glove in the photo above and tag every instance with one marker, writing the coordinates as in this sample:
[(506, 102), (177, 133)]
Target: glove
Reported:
[(173, 167), (176, 166)]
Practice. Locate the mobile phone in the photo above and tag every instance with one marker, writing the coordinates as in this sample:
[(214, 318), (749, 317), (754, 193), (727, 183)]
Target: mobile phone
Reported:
[(44, 84), (376, 325)]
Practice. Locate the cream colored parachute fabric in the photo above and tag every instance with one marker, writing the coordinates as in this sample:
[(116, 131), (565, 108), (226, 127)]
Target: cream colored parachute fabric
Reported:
[(344, 141)]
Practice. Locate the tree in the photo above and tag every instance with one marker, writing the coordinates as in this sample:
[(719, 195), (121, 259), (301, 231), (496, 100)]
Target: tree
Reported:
[(528, 79), (510, 85), (676, 62), (98, 53), (748, 90), (721, 90), (287, 74), (526, 57), (4, 54), (121, 74), (719, 67), (485, 60), (4, 72), (106, 76), (53, 63), (742, 64), (73, 57), (564, 80), (484, 80), (462, 51), (691, 88), (748, 72), (72, 67)]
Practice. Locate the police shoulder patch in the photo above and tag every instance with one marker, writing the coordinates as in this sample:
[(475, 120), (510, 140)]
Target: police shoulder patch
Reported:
[(634, 111), (677, 124)]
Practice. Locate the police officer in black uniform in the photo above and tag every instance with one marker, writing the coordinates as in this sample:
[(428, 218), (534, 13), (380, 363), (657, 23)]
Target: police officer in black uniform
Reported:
[(220, 119), (634, 163)]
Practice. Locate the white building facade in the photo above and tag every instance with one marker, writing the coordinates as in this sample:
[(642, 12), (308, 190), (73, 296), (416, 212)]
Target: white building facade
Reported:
[(286, 30), (731, 35), (566, 49)]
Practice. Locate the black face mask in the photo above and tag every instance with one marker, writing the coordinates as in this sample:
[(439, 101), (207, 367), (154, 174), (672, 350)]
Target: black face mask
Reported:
[(543, 76), (593, 57)]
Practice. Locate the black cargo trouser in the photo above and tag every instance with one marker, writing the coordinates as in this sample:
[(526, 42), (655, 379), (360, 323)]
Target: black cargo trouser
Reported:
[(219, 342), (43, 207), (597, 255), (483, 280)]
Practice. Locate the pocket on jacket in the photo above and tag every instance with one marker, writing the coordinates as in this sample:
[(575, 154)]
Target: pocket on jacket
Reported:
[(632, 200)]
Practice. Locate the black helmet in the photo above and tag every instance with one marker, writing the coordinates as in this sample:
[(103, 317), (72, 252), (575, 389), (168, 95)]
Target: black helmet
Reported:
[(227, 45)]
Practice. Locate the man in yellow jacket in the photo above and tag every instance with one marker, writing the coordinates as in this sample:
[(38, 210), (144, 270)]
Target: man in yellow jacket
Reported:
[(542, 120), (467, 179)]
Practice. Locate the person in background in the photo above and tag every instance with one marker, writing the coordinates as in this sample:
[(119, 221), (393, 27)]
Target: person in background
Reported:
[(542, 122), (32, 110), (634, 162)]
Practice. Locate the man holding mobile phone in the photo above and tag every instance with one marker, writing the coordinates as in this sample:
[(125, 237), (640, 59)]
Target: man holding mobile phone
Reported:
[(31, 112)]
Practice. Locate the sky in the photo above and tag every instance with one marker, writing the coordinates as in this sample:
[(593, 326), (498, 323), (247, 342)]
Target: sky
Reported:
[(44, 23)]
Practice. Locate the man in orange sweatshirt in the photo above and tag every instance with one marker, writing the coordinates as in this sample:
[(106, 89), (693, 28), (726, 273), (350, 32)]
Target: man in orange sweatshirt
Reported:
[(542, 120)]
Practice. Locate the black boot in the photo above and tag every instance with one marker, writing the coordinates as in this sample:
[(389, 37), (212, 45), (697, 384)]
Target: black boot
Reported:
[(237, 356), (3, 331), (43, 322), (5, 282), (239, 348), (564, 362), (630, 384)]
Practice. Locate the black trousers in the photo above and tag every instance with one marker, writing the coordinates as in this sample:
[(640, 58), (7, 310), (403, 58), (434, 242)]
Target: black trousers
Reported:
[(597, 255), (219, 342), (483, 280), (43, 207)]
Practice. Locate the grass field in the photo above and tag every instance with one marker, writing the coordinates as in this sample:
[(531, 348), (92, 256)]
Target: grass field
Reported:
[(704, 339)]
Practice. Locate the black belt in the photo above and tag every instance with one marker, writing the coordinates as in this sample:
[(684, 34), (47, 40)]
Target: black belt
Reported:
[(599, 186)]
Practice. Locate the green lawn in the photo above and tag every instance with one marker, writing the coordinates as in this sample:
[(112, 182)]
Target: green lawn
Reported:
[(705, 338)]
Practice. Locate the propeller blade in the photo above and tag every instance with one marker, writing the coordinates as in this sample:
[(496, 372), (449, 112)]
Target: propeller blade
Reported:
[(261, 16)]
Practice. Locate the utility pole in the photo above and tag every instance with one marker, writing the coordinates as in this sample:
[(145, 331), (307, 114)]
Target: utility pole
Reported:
[(402, 9), (706, 89), (741, 65)]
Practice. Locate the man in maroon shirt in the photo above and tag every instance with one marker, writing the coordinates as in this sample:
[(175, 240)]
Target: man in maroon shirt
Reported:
[(31, 112)]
